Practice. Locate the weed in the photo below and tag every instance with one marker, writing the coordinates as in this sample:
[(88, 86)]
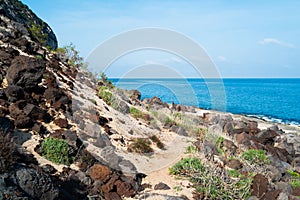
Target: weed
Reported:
[(157, 141), (255, 156), (219, 144), (105, 94), (177, 188), (56, 150), (191, 149), (140, 145), (136, 113), (186, 166), (234, 173)]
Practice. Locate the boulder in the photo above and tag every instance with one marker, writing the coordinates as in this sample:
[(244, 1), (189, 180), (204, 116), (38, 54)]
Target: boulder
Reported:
[(259, 186), (161, 186), (26, 72), (99, 172), (14, 93), (36, 184)]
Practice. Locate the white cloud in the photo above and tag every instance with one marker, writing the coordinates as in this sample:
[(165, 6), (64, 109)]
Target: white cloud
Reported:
[(267, 41), (222, 58)]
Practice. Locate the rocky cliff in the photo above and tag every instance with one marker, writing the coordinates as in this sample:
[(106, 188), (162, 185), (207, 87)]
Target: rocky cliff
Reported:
[(64, 135)]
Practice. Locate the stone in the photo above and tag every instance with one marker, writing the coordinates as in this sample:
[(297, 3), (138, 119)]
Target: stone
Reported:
[(243, 138), (36, 184), (124, 189), (267, 137), (234, 164), (283, 196), (6, 125), (259, 185), (99, 172), (284, 187), (36, 113), (161, 186), (14, 93), (26, 72), (62, 123)]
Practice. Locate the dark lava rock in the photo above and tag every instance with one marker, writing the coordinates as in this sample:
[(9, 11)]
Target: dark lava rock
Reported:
[(234, 164), (36, 184), (267, 137), (259, 185), (14, 93), (26, 72), (36, 113), (62, 123), (6, 125), (161, 186)]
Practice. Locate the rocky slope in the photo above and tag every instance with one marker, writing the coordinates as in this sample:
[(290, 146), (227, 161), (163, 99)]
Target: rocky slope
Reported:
[(64, 135)]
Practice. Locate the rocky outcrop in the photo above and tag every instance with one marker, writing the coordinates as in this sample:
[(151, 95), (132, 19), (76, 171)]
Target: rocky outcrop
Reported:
[(25, 24)]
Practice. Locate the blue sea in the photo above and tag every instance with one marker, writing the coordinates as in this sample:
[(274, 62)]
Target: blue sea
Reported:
[(276, 100)]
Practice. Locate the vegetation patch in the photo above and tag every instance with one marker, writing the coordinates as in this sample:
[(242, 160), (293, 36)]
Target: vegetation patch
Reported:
[(295, 182), (137, 114), (209, 181), (140, 145), (191, 149), (157, 141), (56, 150), (105, 94), (255, 156)]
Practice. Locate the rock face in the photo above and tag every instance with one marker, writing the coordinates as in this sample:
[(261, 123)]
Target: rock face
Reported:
[(25, 72), (24, 20)]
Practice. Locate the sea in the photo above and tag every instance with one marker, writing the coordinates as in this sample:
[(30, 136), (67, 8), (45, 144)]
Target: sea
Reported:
[(275, 100)]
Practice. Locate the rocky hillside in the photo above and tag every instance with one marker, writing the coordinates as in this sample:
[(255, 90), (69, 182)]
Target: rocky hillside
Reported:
[(65, 135)]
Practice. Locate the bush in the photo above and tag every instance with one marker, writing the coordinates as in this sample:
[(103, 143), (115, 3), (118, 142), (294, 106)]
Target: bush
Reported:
[(140, 145), (7, 152), (295, 182), (255, 156), (105, 94), (157, 141), (186, 166), (37, 32), (137, 114), (56, 150)]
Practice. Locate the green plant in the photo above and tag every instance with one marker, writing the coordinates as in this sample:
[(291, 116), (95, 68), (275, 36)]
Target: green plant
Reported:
[(186, 166), (177, 188), (169, 120), (295, 182), (191, 149), (234, 173), (7, 152), (157, 141), (219, 144), (105, 94), (254, 156), (140, 145), (136, 113), (56, 150), (37, 32), (70, 53)]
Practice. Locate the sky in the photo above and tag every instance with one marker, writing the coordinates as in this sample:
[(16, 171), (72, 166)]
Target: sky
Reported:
[(243, 38)]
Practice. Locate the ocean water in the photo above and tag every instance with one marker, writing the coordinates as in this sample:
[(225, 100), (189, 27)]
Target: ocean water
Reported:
[(275, 100)]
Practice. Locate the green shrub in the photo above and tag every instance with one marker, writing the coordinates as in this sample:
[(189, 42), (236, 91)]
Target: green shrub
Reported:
[(191, 149), (56, 150), (105, 94), (186, 166), (137, 114), (219, 144), (295, 182), (37, 32), (140, 145), (233, 173), (255, 156), (169, 121)]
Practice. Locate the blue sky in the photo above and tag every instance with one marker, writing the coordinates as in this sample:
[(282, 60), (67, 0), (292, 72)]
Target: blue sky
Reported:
[(244, 39)]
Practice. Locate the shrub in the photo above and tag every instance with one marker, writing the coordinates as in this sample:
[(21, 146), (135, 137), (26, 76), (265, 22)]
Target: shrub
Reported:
[(7, 152), (255, 156), (191, 149), (56, 150), (186, 166), (137, 114), (157, 141), (295, 182), (37, 32), (105, 94), (140, 145)]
